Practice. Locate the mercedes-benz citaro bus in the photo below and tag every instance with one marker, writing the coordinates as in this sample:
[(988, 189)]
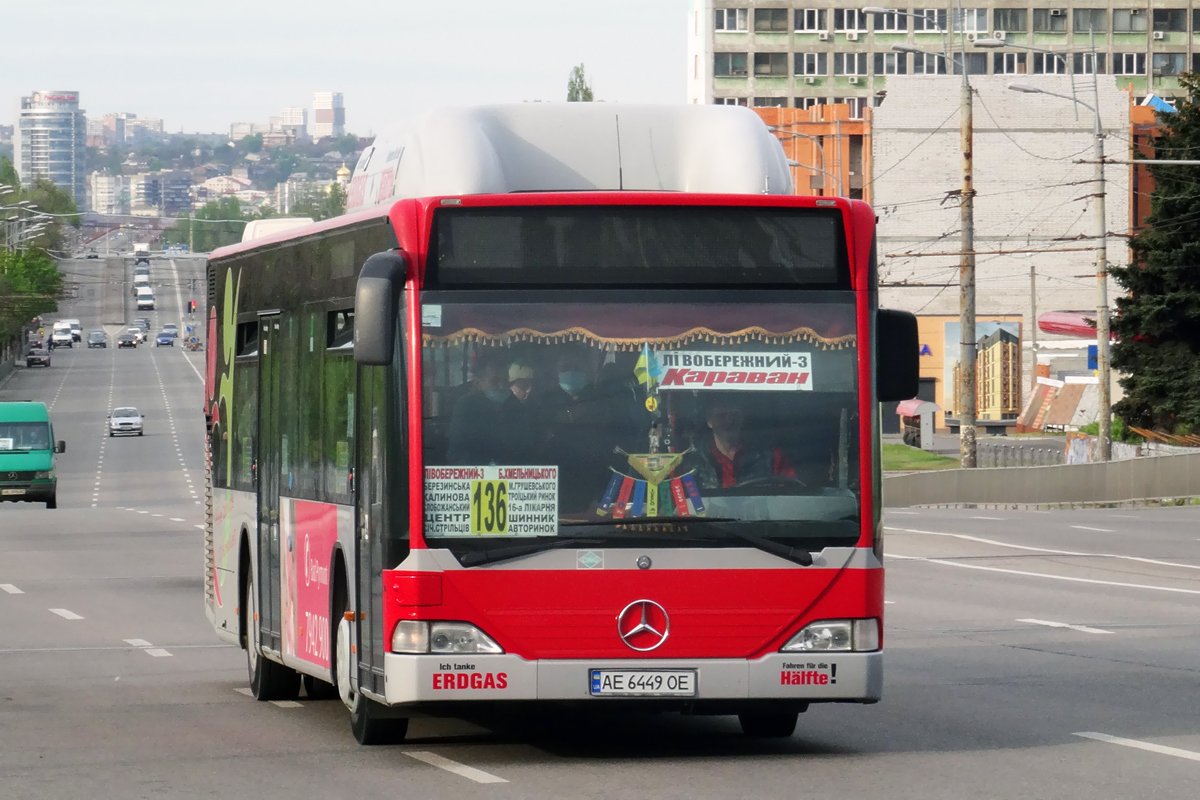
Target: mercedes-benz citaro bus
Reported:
[(576, 404)]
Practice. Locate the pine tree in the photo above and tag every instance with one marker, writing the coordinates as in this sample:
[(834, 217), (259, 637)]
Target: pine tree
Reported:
[(578, 88), (1158, 321)]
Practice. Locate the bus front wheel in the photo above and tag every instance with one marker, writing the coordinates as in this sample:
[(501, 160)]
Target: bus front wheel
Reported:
[(769, 724), (368, 719)]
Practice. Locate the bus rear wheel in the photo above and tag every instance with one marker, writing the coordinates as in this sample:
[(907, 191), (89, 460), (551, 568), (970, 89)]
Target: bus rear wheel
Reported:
[(769, 724), (268, 680), (368, 719)]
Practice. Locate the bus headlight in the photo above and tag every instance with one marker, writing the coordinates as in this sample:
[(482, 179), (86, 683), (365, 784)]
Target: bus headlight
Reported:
[(459, 637), (413, 636), (410, 636), (835, 636)]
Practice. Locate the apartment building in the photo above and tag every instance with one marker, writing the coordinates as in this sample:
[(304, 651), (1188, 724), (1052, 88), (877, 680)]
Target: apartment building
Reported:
[(165, 193), (800, 53), (109, 193)]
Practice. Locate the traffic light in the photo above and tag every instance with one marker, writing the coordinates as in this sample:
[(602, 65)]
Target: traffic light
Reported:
[(191, 306)]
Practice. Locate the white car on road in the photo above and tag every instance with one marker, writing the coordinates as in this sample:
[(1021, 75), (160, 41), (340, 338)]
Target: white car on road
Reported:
[(125, 421)]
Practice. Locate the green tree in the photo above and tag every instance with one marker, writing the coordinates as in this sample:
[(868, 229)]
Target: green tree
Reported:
[(346, 145), (217, 224), (252, 143), (43, 196), (321, 204), (30, 284), (8, 173), (1158, 320), (578, 88)]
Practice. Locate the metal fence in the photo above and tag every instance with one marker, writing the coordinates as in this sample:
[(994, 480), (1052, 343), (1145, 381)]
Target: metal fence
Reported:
[(1111, 482), (1004, 454)]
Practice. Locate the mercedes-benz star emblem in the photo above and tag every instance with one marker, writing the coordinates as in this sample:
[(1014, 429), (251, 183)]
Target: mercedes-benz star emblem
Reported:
[(643, 625)]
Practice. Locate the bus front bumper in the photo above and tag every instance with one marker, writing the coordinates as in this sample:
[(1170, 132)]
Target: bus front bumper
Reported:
[(808, 677)]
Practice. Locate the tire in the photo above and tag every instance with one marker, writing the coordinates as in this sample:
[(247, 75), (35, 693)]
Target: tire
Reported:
[(317, 689), (367, 720), (110, 434), (53, 501), (769, 724), (140, 433), (268, 680)]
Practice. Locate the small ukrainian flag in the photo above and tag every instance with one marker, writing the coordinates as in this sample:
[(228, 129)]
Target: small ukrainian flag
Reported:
[(647, 369)]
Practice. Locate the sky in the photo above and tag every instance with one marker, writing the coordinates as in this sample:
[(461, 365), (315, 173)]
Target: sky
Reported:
[(202, 65)]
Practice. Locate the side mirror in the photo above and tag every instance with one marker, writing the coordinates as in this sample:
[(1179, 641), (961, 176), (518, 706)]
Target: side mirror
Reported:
[(377, 307), (61, 447), (897, 356)]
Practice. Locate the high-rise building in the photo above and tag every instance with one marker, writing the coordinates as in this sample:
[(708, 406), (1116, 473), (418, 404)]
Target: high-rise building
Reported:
[(329, 115), (294, 122), (110, 193), (164, 193), (50, 141), (798, 53)]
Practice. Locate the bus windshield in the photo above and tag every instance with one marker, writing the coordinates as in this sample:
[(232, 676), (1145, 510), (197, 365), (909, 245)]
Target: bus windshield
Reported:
[(613, 422)]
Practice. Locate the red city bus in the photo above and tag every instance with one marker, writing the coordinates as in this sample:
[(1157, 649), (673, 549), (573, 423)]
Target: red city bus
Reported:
[(592, 447)]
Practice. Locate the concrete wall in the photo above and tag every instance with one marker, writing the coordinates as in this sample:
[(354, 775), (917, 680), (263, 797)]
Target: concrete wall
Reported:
[(1030, 195), (1114, 482)]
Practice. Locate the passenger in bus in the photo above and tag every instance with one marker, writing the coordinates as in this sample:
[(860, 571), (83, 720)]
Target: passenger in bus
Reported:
[(520, 381), (586, 422), (728, 457), (481, 429)]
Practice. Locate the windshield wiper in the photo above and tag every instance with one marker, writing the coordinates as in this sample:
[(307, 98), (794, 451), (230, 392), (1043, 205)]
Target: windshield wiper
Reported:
[(477, 557), (802, 557)]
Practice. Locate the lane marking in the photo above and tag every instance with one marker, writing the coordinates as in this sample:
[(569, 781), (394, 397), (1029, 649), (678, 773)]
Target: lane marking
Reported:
[(889, 602), (285, 704), (1049, 624), (910, 513), (245, 691), (137, 642), (1052, 551), (441, 762), (1051, 576), (158, 652), (1134, 743), (994, 519), (10, 589), (1086, 528), (175, 519), (179, 310), (65, 614)]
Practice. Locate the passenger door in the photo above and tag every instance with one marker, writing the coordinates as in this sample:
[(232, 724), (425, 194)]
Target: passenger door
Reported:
[(268, 482)]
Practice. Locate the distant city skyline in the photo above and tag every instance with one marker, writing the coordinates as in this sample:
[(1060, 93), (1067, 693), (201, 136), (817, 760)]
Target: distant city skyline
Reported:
[(186, 64)]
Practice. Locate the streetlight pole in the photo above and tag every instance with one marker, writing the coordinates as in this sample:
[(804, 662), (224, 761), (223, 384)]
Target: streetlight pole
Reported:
[(1104, 416), (967, 445), (966, 279)]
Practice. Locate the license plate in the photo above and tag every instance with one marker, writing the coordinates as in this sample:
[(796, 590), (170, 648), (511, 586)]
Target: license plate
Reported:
[(12, 491), (643, 683)]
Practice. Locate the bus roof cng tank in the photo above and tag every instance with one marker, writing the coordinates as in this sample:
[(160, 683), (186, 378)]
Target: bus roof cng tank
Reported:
[(539, 147)]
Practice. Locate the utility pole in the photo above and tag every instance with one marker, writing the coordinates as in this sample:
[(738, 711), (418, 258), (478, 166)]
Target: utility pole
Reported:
[(966, 272), (1033, 329), (1102, 335)]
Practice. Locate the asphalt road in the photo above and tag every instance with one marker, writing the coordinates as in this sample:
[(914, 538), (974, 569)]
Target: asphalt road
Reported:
[(1008, 635)]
